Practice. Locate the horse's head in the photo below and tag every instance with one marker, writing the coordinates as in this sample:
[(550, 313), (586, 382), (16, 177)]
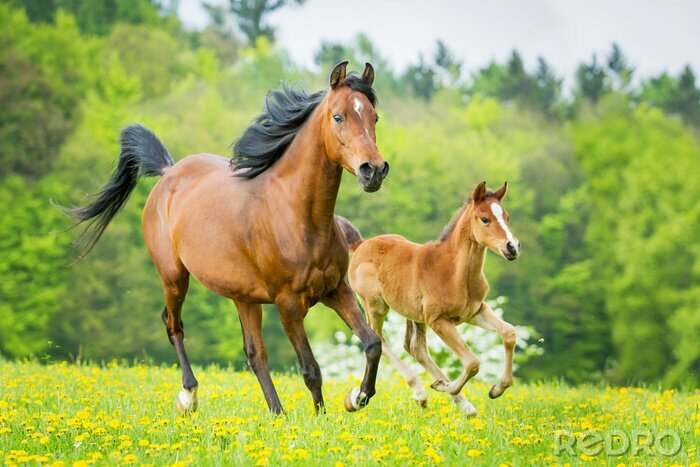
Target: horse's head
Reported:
[(489, 222), (348, 126)]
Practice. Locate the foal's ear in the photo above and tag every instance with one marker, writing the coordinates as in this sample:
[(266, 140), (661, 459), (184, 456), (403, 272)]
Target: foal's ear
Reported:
[(501, 192), (338, 75), (479, 193), (368, 74)]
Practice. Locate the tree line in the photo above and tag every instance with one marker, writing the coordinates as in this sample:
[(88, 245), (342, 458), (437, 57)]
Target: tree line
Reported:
[(602, 183)]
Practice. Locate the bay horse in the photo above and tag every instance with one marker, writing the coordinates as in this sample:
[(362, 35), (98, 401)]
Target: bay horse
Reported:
[(439, 284), (259, 228)]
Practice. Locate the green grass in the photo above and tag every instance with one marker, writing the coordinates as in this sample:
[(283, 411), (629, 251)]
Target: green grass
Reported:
[(116, 414)]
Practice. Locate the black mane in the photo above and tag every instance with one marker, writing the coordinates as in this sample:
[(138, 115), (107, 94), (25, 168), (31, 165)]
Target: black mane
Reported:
[(284, 114)]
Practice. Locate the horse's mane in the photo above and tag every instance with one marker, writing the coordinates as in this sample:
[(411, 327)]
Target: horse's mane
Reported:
[(284, 114), (449, 228)]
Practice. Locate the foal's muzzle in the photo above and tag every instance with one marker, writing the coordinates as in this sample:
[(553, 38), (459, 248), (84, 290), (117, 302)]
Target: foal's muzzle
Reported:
[(512, 251), (371, 176)]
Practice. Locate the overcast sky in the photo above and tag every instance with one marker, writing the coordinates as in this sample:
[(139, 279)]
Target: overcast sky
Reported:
[(655, 35)]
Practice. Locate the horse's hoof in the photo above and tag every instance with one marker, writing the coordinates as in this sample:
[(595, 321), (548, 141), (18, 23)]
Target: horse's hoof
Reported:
[(186, 400), (439, 385), (494, 392), (355, 400)]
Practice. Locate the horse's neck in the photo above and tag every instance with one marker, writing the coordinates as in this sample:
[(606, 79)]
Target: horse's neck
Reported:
[(309, 177), (468, 254)]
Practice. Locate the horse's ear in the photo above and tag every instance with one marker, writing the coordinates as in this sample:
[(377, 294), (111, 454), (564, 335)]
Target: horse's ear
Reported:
[(368, 74), (338, 75), (501, 192), (479, 193)]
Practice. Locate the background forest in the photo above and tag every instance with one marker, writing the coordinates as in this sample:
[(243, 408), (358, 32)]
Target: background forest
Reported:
[(603, 184)]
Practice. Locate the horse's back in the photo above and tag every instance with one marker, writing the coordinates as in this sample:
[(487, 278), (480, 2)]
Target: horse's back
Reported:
[(191, 217)]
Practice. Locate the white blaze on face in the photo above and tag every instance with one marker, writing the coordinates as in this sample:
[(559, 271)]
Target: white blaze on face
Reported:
[(497, 211), (358, 106)]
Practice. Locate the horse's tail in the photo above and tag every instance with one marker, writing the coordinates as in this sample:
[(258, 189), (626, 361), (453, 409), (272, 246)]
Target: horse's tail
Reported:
[(142, 154), (352, 234)]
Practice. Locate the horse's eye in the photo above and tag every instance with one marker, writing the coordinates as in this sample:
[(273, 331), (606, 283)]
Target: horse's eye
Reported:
[(376, 119), (485, 220), (338, 118)]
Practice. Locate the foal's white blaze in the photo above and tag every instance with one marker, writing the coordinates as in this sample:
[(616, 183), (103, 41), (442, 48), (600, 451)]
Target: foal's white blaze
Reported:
[(497, 211), (358, 106)]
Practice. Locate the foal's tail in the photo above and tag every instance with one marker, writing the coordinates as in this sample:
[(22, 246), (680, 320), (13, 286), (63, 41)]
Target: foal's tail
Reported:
[(142, 154), (352, 234)]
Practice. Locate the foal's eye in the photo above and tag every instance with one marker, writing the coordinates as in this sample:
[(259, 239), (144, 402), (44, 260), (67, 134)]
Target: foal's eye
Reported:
[(485, 220), (338, 118), (376, 119)]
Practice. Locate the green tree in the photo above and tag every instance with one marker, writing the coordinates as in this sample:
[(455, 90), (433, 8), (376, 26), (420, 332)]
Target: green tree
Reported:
[(421, 79), (677, 96), (592, 81), (94, 17), (249, 15), (621, 71)]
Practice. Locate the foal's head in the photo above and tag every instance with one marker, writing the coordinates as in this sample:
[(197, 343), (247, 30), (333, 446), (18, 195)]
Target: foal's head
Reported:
[(348, 126), (489, 221)]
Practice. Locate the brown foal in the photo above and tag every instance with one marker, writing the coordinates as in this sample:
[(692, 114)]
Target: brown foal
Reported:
[(259, 228), (440, 284)]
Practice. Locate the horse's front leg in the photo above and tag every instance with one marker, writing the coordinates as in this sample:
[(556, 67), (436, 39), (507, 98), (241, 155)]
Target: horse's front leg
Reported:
[(292, 310), (447, 331), (487, 319), (343, 302), (250, 315)]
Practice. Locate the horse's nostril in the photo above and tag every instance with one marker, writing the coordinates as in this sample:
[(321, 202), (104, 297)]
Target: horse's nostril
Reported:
[(511, 248), (367, 170), (385, 170)]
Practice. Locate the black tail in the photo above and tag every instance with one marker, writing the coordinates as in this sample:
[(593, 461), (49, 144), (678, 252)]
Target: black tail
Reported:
[(351, 233), (142, 154)]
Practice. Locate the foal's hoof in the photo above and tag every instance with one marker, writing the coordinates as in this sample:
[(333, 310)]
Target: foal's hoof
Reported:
[(422, 403), (496, 391), (355, 400), (466, 407), (186, 400), (439, 385)]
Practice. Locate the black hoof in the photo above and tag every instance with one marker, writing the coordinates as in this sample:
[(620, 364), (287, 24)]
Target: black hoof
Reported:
[(491, 393)]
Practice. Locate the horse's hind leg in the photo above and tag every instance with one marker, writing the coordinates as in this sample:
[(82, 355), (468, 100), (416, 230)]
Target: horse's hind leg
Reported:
[(376, 310), (487, 319), (250, 316), (416, 345), (175, 288)]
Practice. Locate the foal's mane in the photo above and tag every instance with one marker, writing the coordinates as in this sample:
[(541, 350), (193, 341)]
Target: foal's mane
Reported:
[(449, 228), (284, 114)]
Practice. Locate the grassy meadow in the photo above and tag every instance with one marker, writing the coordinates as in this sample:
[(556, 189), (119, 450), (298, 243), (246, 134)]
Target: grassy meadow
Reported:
[(64, 414)]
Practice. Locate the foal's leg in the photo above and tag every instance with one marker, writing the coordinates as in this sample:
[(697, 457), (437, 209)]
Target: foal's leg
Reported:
[(175, 289), (447, 331), (417, 346), (250, 316), (343, 302), (292, 312), (487, 319), (376, 310)]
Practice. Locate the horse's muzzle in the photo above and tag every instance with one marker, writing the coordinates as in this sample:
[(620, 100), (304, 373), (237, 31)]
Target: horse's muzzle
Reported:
[(371, 176)]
